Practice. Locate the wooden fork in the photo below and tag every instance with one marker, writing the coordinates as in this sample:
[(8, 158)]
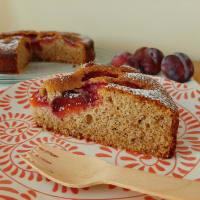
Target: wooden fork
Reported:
[(82, 171)]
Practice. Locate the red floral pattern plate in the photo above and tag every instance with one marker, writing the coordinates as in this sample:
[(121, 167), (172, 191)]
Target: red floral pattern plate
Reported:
[(19, 134)]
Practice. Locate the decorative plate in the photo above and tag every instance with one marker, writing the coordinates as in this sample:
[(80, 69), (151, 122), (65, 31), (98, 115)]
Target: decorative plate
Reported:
[(19, 134)]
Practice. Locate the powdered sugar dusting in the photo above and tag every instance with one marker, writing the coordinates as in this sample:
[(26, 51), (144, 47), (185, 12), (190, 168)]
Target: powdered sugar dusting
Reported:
[(140, 76), (64, 77), (85, 39), (148, 80), (150, 94), (9, 43)]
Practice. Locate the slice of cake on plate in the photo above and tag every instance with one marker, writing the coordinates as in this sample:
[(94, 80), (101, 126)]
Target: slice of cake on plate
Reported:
[(114, 106)]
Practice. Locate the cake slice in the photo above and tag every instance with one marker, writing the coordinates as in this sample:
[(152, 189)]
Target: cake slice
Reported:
[(15, 53), (114, 106)]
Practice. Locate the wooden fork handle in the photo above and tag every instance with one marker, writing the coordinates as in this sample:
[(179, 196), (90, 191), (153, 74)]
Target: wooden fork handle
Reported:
[(153, 184)]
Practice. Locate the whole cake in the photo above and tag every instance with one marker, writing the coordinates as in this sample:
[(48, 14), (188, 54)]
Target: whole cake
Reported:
[(17, 48), (114, 106)]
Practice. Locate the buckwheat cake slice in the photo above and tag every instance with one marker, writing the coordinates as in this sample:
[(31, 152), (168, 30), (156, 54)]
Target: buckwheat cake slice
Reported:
[(114, 106)]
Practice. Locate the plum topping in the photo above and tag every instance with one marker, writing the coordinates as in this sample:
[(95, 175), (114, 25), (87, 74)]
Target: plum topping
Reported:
[(35, 45), (76, 100), (28, 46), (39, 100), (177, 67), (125, 58), (71, 101), (31, 35), (149, 60), (94, 74)]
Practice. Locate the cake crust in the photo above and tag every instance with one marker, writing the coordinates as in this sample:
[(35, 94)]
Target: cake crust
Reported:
[(58, 85)]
